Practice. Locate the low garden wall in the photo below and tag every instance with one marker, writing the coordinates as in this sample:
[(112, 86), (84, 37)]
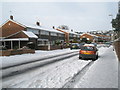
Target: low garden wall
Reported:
[(117, 47), (15, 52)]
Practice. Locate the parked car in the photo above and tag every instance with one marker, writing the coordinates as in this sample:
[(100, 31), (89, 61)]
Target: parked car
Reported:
[(88, 51), (74, 46), (81, 44), (95, 44), (107, 44)]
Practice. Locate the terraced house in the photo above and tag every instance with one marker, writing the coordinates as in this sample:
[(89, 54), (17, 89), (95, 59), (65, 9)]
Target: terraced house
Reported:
[(70, 36), (16, 35)]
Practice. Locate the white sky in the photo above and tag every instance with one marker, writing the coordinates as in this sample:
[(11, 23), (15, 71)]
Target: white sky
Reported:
[(79, 16)]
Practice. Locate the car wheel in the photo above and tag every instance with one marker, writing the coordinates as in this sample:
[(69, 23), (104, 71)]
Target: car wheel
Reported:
[(80, 57), (94, 59)]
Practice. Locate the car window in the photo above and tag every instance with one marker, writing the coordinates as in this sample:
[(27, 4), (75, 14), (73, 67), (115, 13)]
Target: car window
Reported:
[(88, 48), (76, 44)]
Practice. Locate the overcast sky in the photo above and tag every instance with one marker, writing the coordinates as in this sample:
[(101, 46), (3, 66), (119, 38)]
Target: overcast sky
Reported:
[(79, 16)]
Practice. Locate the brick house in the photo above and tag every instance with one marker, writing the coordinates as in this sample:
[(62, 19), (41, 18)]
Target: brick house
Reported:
[(16, 35), (70, 35), (12, 35), (103, 37), (96, 38), (90, 37)]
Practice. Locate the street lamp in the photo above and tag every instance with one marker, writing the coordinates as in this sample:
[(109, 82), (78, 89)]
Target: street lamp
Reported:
[(111, 15), (112, 36)]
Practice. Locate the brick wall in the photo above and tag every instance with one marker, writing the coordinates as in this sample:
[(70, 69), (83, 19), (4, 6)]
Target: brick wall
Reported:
[(87, 36), (15, 52), (10, 28), (117, 48)]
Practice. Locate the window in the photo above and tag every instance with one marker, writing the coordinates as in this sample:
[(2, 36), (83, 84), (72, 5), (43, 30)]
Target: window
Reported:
[(61, 35), (53, 34), (44, 32), (42, 42), (9, 24), (33, 30), (88, 48), (71, 35)]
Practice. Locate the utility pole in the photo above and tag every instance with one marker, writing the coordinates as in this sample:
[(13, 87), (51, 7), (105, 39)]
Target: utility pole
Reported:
[(112, 35)]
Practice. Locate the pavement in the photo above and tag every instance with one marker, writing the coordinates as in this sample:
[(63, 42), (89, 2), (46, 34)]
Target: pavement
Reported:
[(103, 73)]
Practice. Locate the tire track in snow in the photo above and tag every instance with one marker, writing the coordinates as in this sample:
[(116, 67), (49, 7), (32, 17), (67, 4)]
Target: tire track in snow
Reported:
[(25, 68), (33, 79), (76, 78), (41, 59)]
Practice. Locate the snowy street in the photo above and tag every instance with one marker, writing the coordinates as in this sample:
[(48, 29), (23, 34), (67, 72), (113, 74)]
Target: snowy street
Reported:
[(68, 72)]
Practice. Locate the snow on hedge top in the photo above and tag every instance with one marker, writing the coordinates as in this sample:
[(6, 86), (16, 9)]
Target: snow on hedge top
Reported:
[(30, 34)]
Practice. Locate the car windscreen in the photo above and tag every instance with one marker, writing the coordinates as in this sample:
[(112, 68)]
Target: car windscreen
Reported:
[(75, 44), (88, 48)]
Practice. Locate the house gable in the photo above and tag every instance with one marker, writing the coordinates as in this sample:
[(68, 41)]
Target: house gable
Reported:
[(22, 34), (18, 35), (10, 27), (87, 36)]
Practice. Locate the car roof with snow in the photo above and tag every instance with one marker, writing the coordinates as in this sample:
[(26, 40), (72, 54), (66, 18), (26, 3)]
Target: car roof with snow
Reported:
[(89, 45)]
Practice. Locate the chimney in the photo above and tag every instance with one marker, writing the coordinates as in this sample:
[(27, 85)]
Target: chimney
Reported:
[(71, 30), (53, 27), (11, 17), (38, 23)]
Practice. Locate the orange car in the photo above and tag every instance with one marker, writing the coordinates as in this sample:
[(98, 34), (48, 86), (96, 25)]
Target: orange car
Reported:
[(88, 51)]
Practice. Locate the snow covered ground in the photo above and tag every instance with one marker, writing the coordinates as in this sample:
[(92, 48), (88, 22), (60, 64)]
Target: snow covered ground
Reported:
[(103, 73), (16, 59)]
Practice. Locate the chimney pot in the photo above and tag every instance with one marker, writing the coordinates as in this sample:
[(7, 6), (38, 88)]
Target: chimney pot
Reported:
[(38, 23), (53, 27), (71, 30), (11, 17)]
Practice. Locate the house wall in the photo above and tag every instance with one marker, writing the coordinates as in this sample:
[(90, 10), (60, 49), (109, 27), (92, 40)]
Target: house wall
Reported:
[(19, 35), (117, 48), (66, 35), (10, 28), (61, 37), (43, 34), (87, 36), (35, 43)]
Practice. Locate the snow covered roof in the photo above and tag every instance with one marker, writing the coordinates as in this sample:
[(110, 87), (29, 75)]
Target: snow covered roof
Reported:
[(90, 34), (30, 34), (68, 31), (43, 28), (73, 33), (13, 22), (29, 25)]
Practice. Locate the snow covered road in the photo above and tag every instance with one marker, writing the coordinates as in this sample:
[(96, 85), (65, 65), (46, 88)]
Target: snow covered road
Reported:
[(71, 72), (103, 74), (24, 67), (53, 75)]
